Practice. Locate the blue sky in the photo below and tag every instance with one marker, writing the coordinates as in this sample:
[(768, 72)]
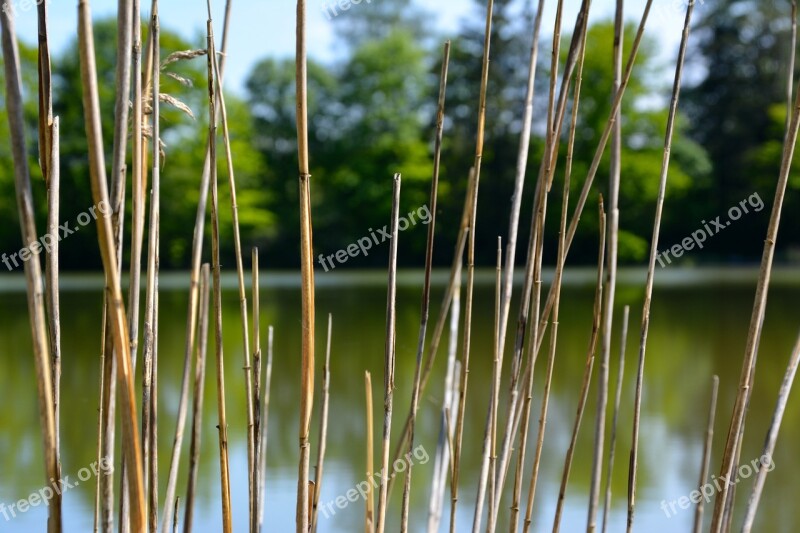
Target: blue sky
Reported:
[(266, 28)]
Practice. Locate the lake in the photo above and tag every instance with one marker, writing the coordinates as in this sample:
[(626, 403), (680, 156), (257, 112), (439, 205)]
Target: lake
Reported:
[(699, 323)]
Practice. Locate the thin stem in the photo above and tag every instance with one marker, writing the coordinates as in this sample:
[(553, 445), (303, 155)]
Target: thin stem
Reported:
[(389, 355), (704, 466)]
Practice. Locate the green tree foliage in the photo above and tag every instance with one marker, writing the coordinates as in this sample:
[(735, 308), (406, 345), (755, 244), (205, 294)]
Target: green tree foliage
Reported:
[(738, 109)]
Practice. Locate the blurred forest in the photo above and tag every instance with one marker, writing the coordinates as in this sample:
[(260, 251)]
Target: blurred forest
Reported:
[(372, 113)]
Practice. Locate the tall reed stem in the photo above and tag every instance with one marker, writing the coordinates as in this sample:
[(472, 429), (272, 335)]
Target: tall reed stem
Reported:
[(662, 188), (33, 273), (612, 444), (197, 403), (426, 287), (389, 356), (704, 465), (369, 511), (323, 427)]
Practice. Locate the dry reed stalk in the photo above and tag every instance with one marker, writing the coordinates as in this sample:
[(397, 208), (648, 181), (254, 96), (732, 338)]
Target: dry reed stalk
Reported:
[(491, 430), (225, 482), (790, 70), (106, 448), (662, 187), (597, 159), (623, 340), (426, 290), (369, 512), (262, 466), (49, 161), (255, 292), (237, 242), (513, 226), (389, 356), (447, 300), (442, 457), (704, 465), (307, 271), (771, 439), (119, 323), (587, 372), (611, 282), (154, 243), (730, 458), (471, 258), (323, 427), (191, 321), (265, 427), (33, 273), (532, 282), (197, 403)]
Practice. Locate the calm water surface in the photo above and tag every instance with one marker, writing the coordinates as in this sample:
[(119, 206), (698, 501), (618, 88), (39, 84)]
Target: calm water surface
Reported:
[(699, 324)]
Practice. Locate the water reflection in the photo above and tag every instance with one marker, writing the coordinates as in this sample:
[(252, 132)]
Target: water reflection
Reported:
[(696, 331)]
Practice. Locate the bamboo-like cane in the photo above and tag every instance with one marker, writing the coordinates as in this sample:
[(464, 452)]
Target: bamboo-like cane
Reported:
[(257, 428), (389, 356), (587, 374), (307, 272), (323, 427), (491, 429), (426, 290), (49, 158), (33, 273), (597, 159), (441, 464), (590, 356), (264, 433), (150, 356), (225, 482), (119, 323), (771, 439), (704, 465), (197, 403), (471, 259), (532, 282), (237, 241), (369, 512), (623, 341), (662, 187), (191, 322), (611, 282)]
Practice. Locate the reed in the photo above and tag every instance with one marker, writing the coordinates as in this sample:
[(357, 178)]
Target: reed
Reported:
[(197, 402), (426, 287), (704, 466), (262, 466), (307, 271), (257, 428), (369, 508), (611, 281), (323, 427), (119, 322), (772, 438), (194, 279), (389, 355), (612, 444), (648, 295), (33, 273), (225, 482), (471, 262)]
